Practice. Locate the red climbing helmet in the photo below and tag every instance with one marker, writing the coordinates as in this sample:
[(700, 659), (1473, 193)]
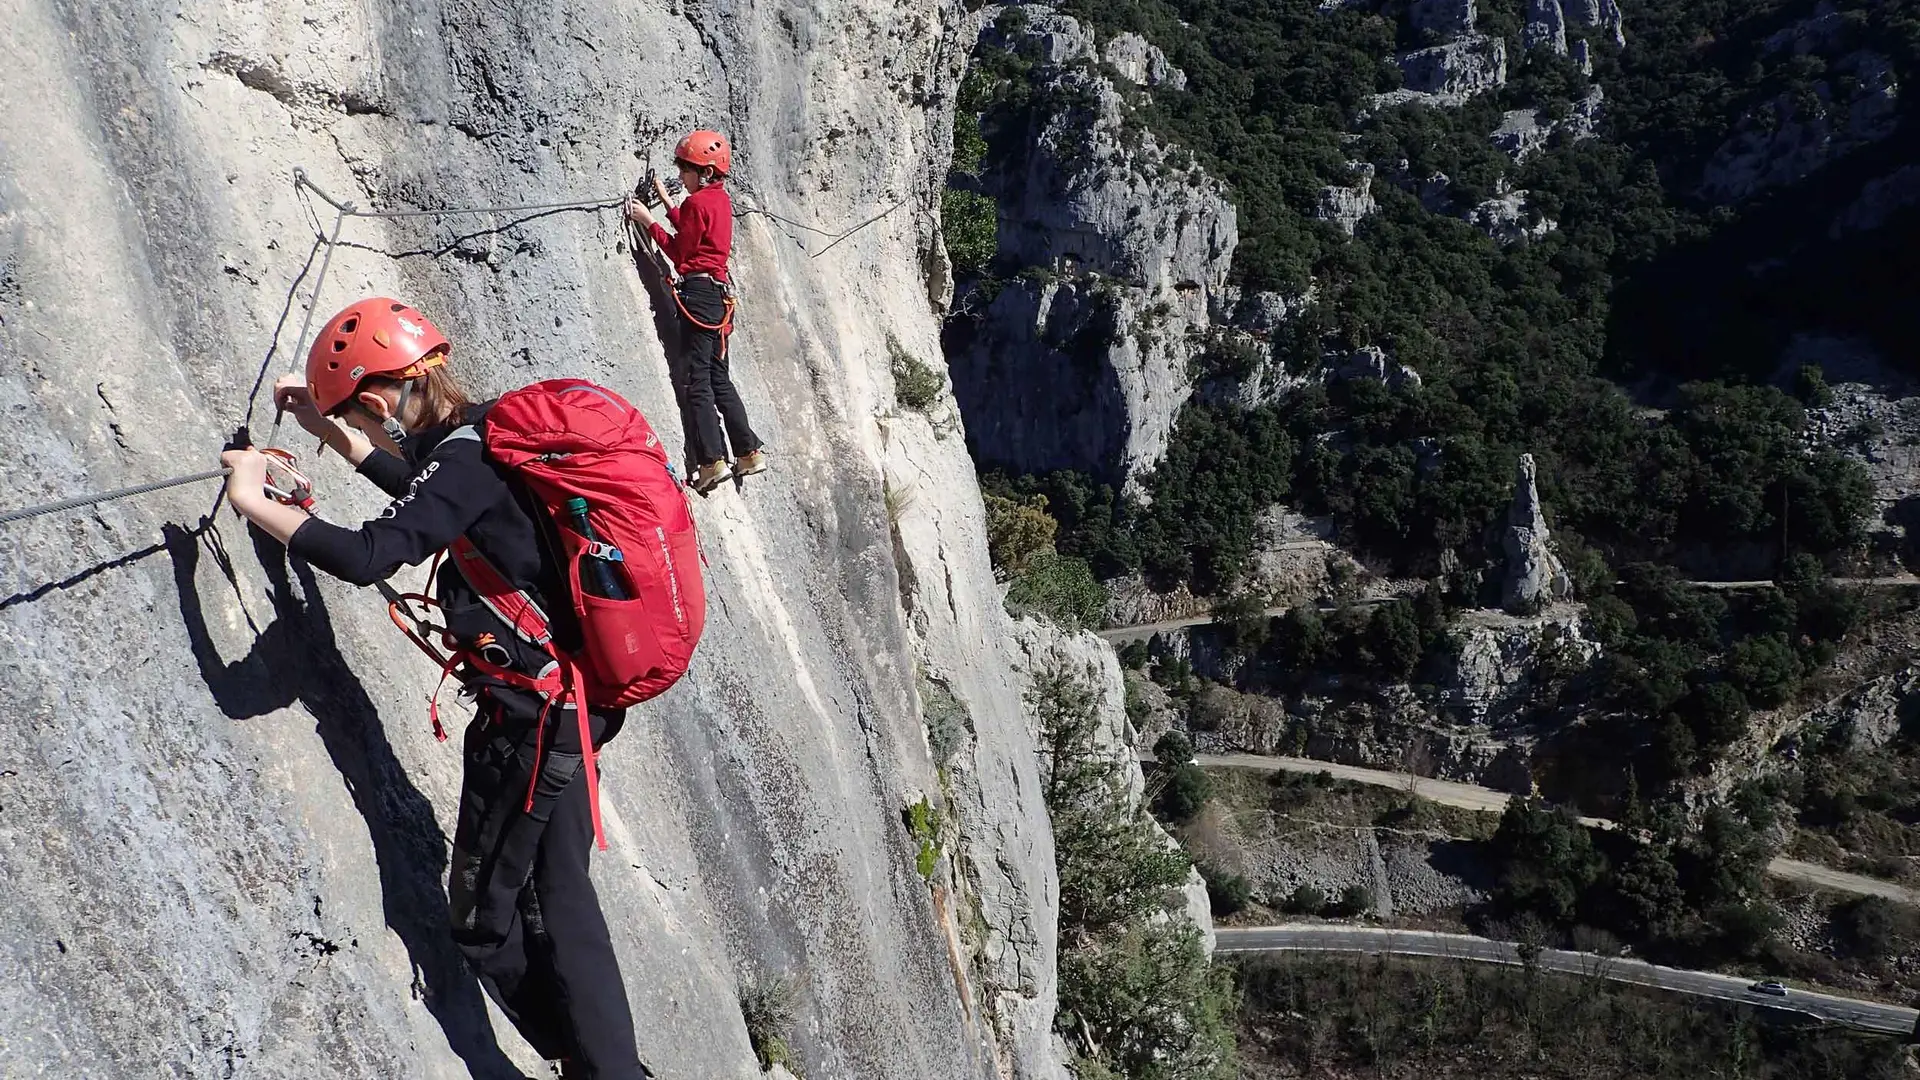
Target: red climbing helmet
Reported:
[(703, 148), (376, 336)]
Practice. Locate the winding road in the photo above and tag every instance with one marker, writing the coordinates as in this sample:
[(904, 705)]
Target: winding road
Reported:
[(1470, 797), (1318, 937)]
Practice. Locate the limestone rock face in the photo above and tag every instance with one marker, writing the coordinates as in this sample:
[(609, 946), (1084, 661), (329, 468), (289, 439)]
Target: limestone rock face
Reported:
[(1507, 220), (1874, 714), (1141, 63), (1874, 419), (1402, 733), (1787, 139), (1534, 574), (1602, 15), (1083, 361), (1371, 362), (1063, 39), (1498, 659), (1524, 132), (1546, 26), (1348, 206), (1459, 69), (1880, 199), (223, 821)]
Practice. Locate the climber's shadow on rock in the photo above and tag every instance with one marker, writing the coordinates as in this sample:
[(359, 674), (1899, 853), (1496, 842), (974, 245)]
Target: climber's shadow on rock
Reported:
[(666, 323), (295, 659)]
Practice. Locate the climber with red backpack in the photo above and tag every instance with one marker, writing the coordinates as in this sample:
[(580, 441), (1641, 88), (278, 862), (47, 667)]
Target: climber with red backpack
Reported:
[(699, 247), (570, 590)]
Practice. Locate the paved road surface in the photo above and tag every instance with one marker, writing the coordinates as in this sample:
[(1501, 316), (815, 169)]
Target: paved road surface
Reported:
[(1470, 797), (1143, 631), (1870, 1015)]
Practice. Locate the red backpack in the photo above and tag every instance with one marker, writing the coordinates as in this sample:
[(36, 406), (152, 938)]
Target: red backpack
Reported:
[(565, 438)]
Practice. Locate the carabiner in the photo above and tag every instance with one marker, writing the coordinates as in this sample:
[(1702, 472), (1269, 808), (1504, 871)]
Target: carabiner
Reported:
[(285, 482)]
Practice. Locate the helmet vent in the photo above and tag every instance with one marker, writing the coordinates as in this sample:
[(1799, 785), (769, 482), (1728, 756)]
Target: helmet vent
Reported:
[(339, 345), (333, 365), (399, 307), (348, 326)]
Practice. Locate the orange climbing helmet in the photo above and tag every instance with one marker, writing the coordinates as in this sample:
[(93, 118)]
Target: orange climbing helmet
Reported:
[(705, 149), (375, 336)]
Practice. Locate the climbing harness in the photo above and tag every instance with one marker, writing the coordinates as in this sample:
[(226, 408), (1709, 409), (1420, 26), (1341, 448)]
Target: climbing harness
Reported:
[(725, 325)]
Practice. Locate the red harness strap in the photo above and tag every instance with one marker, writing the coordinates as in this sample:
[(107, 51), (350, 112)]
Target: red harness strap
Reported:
[(560, 682), (725, 325)]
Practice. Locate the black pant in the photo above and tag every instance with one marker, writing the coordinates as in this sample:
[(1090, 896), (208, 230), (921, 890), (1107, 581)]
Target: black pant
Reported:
[(524, 911), (708, 397)]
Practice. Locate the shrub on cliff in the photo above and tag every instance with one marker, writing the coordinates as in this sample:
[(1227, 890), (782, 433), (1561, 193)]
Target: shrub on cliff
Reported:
[(970, 222), (1138, 997), (1059, 588), (1018, 530)]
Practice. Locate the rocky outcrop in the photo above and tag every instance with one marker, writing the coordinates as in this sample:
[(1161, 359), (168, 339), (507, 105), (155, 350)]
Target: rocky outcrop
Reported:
[(1874, 419), (1142, 64), (1870, 716), (1372, 362), (1238, 365), (1880, 199), (1083, 361), (1508, 220), (225, 823), (1348, 206), (1498, 661), (1457, 70), (1788, 138), (1601, 15), (1396, 731), (1546, 27), (1062, 39), (1524, 132), (1534, 574)]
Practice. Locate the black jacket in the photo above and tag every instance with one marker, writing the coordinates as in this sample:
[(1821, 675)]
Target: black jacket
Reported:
[(441, 489)]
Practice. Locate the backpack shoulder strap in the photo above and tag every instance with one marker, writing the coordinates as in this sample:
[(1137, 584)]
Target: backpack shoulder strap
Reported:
[(463, 433), (512, 604)]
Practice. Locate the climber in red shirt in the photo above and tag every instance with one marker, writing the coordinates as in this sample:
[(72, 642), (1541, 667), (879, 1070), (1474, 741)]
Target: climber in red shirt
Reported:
[(699, 246)]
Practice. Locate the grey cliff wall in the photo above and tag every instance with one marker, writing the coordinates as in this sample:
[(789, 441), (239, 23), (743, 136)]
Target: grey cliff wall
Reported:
[(1082, 362), (223, 822)]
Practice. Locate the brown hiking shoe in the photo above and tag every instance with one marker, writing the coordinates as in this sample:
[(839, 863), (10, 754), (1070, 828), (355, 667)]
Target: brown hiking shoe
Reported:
[(711, 475), (751, 463)]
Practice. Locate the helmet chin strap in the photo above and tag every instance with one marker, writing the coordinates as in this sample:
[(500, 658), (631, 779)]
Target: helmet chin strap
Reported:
[(391, 423)]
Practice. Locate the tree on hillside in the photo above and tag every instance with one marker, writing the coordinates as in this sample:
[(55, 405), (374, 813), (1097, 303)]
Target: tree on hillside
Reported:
[(1114, 866), (1547, 861)]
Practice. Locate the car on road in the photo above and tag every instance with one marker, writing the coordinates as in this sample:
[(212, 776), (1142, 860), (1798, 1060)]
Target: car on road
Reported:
[(1768, 987)]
